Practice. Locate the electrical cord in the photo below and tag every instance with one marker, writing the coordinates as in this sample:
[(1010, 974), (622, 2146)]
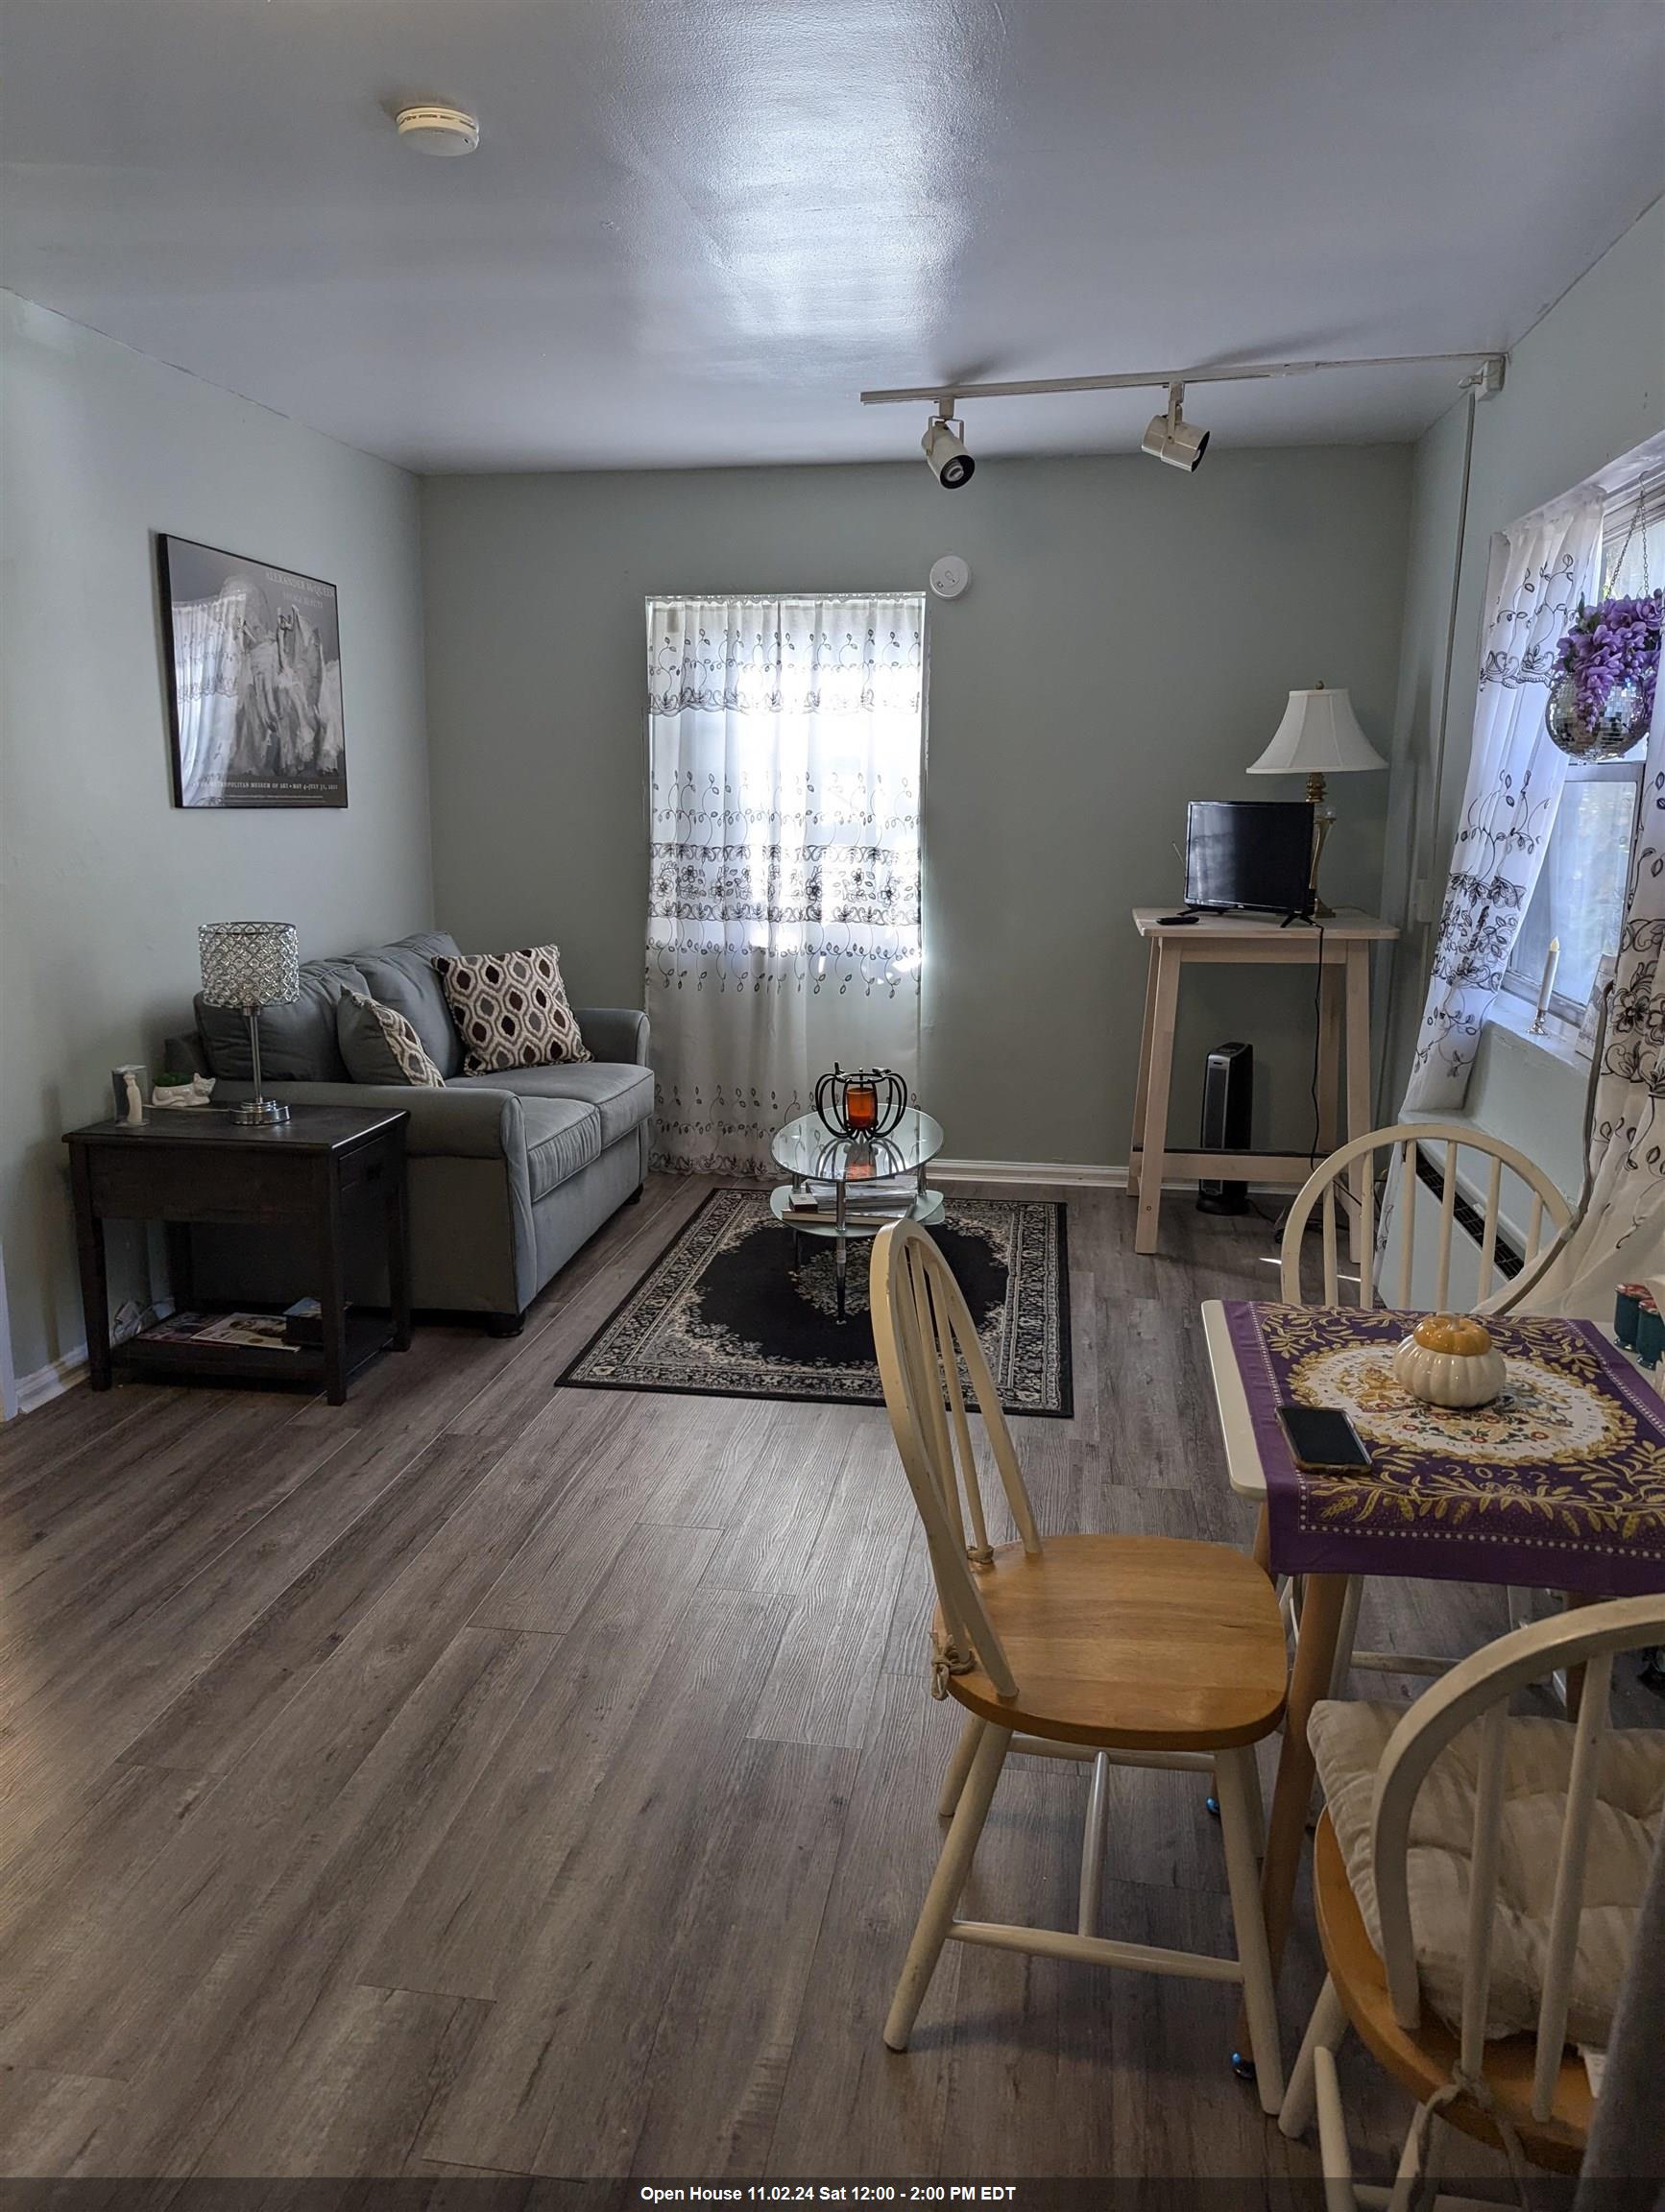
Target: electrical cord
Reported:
[(1278, 1219), (1317, 1043)]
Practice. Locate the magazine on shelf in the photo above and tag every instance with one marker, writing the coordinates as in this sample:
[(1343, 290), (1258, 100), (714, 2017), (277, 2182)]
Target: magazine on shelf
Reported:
[(259, 1331)]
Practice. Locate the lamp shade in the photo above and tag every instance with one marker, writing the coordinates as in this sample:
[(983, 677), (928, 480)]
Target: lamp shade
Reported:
[(250, 963), (1318, 735)]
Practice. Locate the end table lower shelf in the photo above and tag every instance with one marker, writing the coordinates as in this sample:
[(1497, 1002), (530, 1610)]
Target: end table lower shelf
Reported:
[(161, 1357)]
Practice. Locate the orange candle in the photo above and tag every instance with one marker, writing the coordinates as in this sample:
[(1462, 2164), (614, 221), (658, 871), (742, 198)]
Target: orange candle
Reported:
[(861, 1105)]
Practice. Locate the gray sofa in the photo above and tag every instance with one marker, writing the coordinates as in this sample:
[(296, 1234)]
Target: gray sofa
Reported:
[(509, 1173)]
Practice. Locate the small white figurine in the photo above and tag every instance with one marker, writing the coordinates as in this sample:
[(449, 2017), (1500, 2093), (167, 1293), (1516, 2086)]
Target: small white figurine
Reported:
[(198, 1091)]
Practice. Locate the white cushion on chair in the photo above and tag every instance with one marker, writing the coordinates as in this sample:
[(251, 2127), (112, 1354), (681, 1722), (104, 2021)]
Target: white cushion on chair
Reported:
[(1348, 1740)]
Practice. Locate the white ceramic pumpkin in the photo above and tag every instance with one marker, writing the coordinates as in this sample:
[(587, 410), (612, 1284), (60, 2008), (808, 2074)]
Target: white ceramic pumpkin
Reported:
[(1449, 1359)]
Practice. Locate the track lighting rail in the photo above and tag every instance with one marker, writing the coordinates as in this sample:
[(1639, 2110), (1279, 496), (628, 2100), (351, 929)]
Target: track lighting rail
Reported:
[(1486, 377)]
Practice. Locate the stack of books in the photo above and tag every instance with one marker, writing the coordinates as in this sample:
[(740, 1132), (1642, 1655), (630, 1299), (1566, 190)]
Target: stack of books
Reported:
[(863, 1202)]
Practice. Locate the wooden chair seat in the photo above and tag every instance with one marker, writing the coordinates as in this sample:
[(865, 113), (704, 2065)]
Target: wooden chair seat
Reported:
[(1424, 2060), (1131, 1643)]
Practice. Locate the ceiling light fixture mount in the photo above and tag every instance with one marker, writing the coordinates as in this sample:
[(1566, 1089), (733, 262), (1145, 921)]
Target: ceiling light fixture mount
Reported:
[(431, 128), (1485, 367)]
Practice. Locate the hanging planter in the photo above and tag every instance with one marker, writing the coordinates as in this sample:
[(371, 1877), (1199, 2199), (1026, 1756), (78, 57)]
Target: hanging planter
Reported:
[(1606, 669)]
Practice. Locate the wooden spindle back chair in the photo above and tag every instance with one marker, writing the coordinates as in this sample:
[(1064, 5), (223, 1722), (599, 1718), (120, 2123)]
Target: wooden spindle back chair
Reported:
[(1348, 1177), (1129, 1651), (1524, 2091), (1347, 1180)]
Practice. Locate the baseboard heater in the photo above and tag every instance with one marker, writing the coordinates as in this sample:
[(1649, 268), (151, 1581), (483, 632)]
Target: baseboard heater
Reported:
[(1507, 1258)]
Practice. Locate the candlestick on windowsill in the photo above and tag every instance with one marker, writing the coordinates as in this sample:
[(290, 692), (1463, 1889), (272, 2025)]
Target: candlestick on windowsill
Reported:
[(1552, 961)]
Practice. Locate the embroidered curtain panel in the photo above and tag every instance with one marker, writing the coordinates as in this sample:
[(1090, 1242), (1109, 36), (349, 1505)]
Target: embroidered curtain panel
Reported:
[(1619, 1235), (1538, 573), (786, 756)]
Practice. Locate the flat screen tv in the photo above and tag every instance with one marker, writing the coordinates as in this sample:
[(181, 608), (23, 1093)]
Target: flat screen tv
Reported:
[(1249, 852)]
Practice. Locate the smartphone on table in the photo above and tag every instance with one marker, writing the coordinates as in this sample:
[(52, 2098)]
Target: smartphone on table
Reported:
[(1323, 1440)]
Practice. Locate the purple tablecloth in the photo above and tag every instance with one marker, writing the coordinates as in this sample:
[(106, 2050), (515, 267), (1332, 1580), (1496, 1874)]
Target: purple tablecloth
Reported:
[(1559, 1485)]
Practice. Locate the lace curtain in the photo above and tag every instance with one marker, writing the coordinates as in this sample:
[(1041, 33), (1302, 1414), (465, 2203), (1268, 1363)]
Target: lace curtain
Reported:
[(1538, 573), (786, 751), (1619, 1234)]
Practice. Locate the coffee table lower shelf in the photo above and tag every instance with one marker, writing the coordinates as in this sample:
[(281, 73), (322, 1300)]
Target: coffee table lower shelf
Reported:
[(926, 1209)]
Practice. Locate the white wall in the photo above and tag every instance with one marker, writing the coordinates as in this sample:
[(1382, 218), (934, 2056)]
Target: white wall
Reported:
[(1128, 642), (1585, 387), (101, 880)]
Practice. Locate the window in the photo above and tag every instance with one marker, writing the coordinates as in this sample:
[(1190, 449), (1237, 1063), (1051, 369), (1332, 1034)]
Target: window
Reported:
[(786, 752), (1579, 895)]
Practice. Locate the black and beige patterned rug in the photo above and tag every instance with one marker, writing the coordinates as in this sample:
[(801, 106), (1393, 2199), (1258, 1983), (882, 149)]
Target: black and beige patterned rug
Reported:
[(726, 1312)]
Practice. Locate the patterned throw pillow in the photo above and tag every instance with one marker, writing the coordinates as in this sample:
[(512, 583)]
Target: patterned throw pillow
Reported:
[(510, 1009), (379, 1046)]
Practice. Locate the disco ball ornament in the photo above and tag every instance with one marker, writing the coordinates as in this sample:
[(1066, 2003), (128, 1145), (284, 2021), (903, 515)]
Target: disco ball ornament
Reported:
[(1621, 724)]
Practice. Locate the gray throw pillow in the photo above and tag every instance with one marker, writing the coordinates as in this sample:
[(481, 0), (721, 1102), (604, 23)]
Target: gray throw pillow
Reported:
[(298, 1041), (379, 1046)]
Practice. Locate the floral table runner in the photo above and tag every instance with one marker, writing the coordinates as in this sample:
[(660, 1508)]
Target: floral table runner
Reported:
[(1560, 1485)]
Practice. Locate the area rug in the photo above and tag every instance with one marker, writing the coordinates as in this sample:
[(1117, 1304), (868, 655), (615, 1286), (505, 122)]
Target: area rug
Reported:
[(727, 1311)]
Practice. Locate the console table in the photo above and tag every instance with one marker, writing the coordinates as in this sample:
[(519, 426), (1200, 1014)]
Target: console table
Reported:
[(1246, 940), (309, 1175)]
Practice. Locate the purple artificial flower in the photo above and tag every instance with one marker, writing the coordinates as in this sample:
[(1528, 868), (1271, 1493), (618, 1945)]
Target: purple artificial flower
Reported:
[(1614, 642)]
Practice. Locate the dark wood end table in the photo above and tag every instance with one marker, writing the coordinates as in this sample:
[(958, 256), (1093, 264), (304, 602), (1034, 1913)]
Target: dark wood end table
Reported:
[(198, 1164)]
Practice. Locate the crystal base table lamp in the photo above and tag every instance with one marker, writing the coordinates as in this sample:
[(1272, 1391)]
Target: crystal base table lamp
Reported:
[(1318, 736), (251, 965)]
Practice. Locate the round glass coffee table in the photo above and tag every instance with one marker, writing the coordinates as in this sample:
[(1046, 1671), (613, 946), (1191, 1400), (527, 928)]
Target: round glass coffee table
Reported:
[(858, 1183)]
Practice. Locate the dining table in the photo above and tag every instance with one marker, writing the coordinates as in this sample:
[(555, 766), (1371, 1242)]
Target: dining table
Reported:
[(1558, 1485)]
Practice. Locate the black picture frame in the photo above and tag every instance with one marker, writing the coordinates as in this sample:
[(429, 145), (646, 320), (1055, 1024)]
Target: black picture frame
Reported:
[(252, 655)]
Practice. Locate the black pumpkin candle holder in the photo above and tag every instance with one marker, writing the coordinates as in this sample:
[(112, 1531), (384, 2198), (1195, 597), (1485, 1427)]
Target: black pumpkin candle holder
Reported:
[(865, 1102)]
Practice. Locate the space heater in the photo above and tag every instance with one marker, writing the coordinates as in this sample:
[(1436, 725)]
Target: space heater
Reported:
[(1228, 1098)]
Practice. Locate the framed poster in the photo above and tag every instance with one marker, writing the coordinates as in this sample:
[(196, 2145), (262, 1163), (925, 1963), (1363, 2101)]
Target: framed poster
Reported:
[(254, 667)]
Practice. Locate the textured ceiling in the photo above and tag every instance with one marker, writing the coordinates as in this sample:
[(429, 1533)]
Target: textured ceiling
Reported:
[(696, 229)]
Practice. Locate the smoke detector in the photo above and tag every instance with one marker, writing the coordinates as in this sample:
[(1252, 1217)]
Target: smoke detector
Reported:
[(433, 130)]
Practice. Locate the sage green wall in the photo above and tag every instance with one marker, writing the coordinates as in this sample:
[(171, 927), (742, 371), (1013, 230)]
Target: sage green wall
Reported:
[(101, 880), (1436, 527), (1129, 642), (1584, 388)]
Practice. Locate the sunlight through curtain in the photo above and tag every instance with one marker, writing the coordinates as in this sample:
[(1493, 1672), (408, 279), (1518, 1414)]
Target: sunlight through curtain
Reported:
[(1539, 572), (785, 754)]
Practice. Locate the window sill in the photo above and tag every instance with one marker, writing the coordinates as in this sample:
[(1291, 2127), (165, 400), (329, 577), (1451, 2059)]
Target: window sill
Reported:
[(1558, 1041)]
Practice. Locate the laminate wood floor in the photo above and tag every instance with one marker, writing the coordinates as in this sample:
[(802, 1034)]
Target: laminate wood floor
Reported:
[(481, 1777)]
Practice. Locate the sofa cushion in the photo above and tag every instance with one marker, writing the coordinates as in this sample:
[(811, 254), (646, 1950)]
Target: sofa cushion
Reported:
[(1348, 1740), (298, 1042), (621, 1093), (401, 976), (511, 1009), (379, 1046), (562, 1135)]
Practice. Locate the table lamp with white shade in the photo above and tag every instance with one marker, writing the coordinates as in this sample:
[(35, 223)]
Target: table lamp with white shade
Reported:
[(250, 965), (1318, 736)]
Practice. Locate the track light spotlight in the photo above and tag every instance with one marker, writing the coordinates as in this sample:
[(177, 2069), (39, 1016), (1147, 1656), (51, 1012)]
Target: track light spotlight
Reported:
[(1170, 437), (944, 448)]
